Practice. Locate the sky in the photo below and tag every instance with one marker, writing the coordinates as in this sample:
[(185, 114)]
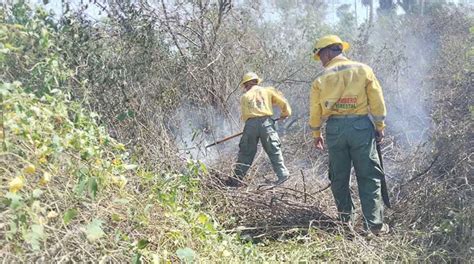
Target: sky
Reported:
[(362, 11), (355, 5)]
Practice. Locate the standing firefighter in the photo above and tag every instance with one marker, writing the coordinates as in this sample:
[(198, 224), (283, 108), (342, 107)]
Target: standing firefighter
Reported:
[(257, 108), (344, 94)]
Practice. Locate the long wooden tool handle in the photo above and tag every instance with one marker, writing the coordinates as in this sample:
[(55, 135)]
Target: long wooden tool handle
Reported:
[(225, 139), (233, 136)]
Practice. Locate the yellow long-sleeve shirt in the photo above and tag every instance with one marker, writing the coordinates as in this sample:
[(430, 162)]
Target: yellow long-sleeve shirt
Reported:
[(259, 101), (346, 87)]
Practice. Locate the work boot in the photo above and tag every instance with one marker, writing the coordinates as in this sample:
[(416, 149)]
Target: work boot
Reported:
[(281, 180), (380, 231)]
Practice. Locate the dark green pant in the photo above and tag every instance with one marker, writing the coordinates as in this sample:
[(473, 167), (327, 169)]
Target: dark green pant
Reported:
[(352, 139), (260, 129)]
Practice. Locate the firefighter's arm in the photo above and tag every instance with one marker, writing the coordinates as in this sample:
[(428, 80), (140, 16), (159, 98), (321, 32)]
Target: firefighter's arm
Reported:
[(376, 101), (315, 111), (278, 99)]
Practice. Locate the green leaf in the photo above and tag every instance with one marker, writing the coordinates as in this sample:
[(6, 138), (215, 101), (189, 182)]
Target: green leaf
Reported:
[(34, 236), (142, 243), (5, 88), (83, 179), (37, 193), (12, 231), (115, 217), (202, 218), (38, 229), (136, 259), (125, 115), (94, 230), (93, 186), (69, 215), (81, 186), (210, 227), (122, 116), (203, 167), (15, 199), (186, 254)]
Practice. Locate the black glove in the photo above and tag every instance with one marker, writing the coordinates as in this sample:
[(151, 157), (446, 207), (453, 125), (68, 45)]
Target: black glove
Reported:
[(379, 135)]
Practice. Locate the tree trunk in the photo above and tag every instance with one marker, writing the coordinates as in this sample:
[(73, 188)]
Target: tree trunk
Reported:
[(386, 4), (355, 10), (371, 12)]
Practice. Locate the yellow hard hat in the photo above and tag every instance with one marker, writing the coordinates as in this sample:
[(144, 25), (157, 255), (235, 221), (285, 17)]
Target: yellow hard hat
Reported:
[(250, 76), (327, 41)]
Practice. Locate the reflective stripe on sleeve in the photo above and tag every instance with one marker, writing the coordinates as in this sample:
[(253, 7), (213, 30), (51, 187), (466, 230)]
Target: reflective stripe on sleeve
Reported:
[(315, 128), (378, 118)]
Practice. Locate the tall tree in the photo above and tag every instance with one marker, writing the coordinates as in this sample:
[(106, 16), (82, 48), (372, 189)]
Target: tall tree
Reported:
[(370, 5), (386, 4)]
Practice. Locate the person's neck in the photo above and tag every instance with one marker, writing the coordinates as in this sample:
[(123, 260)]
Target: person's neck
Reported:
[(249, 87)]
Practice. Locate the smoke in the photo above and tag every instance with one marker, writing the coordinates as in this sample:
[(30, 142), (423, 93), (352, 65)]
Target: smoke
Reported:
[(198, 127), (399, 49), (402, 63)]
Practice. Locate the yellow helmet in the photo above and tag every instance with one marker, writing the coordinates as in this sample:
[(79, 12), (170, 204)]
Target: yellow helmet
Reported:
[(250, 76), (327, 41)]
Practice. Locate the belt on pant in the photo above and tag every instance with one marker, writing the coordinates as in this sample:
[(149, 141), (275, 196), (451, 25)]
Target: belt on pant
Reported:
[(259, 117), (345, 116)]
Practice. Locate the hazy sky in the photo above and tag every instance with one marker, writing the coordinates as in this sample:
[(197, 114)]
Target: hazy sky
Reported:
[(362, 11), (356, 6)]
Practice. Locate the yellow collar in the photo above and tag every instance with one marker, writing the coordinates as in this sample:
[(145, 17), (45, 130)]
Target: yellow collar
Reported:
[(335, 60)]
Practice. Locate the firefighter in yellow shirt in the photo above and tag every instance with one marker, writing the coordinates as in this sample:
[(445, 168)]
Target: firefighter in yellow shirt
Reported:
[(257, 109), (345, 94)]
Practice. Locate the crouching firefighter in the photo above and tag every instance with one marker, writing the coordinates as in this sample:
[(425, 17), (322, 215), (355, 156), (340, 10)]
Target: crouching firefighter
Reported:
[(257, 109), (344, 94)]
